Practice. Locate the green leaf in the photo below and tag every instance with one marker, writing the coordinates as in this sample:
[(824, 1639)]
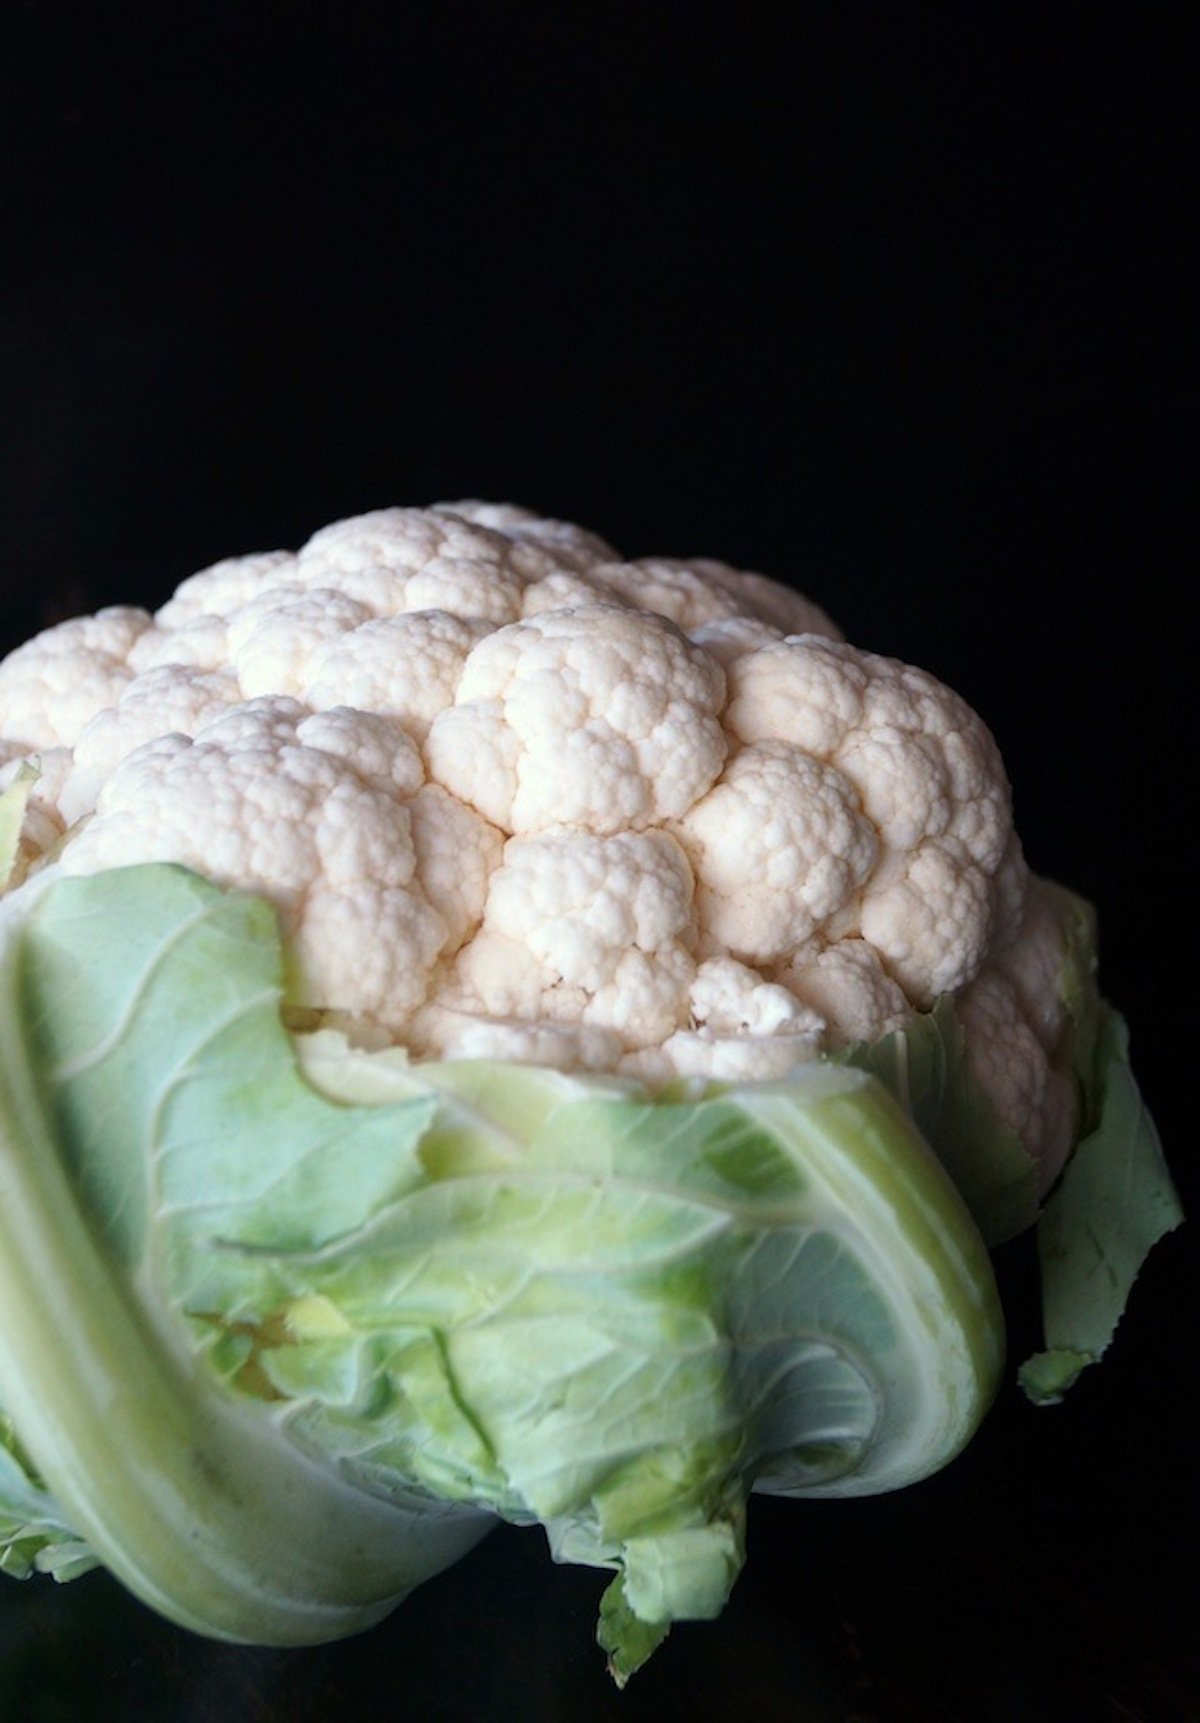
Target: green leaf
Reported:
[(1046, 1376), (34, 1535), (628, 1640), (456, 1290), (1113, 1204), (115, 997)]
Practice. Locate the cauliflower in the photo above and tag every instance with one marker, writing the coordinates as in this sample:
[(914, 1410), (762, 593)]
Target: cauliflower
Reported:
[(513, 795), (670, 1025)]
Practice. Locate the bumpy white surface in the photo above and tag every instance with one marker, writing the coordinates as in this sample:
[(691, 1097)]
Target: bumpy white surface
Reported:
[(514, 796)]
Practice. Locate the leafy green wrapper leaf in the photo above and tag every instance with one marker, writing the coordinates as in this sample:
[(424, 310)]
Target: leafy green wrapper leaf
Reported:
[(480, 1291), (1113, 1204), (117, 997), (1115, 1199), (34, 1534), (624, 1636)]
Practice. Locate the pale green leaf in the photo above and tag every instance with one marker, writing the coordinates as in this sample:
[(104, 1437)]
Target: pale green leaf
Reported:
[(1113, 1204), (481, 1290)]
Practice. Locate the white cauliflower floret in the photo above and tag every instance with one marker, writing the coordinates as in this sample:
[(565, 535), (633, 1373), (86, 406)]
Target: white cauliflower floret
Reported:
[(743, 1029), (407, 667), (454, 1034), (730, 998), (457, 853), (307, 810), (1008, 1061), (584, 928), (274, 639), (1033, 962), (393, 560), (191, 628), (779, 846), (380, 753), (931, 926), (1018, 1027), (555, 559), (223, 587), (1012, 888), (848, 986), (807, 692), (535, 537), (469, 560), (171, 699), (599, 717), (705, 1054), (692, 594), (201, 644), (930, 779), (56, 682), (563, 589), (732, 637)]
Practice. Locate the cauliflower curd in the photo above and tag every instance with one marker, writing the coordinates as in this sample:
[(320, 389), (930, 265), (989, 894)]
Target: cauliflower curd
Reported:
[(515, 797)]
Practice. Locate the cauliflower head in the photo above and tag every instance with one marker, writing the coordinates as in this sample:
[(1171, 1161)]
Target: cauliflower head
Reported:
[(516, 797)]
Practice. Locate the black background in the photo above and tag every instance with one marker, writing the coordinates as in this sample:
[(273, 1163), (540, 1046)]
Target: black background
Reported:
[(886, 301)]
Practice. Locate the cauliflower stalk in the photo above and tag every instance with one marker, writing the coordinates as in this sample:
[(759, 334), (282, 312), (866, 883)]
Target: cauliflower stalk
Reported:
[(542, 1035)]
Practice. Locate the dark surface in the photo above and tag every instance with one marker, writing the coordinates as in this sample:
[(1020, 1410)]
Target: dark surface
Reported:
[(889, 303)]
